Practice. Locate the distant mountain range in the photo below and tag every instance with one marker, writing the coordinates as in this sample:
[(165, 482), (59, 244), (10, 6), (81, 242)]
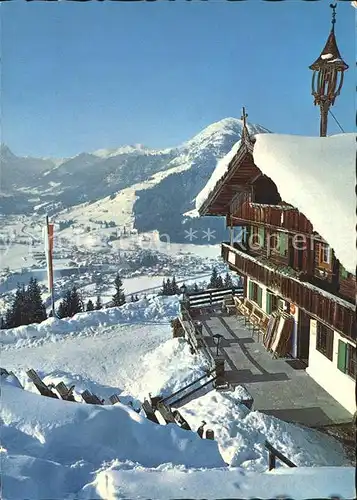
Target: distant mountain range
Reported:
[(132, 185)]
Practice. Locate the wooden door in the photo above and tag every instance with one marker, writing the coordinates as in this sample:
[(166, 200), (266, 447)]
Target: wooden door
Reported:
[(303, 336)]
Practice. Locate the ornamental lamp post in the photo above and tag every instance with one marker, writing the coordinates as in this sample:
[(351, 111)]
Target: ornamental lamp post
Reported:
[(217, 340), (183, 290), (328, 72)]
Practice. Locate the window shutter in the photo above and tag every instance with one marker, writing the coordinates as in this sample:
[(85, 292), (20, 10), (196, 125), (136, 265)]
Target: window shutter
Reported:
[(261, 233), (260, 296), (342, 355), (329, 353), (282, 243), (343, 272), (250, 289), (269, 303)]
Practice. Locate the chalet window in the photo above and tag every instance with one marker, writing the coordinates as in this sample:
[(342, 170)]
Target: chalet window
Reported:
[(343, 273), (283, 244), (255, 293), (347, 358), (324, 340), (325, 255), (257, 238), (279, 243), (272, 302)]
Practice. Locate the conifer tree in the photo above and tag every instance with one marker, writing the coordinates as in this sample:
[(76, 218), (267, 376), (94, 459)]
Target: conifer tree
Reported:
[(64, 306), (195, 288), (76, 304), (164, 288), (90, 306), (214, 277), (98, 303), (16, 314), (136, 298), (219, 282), (119, 296), (132, 298), (174, 288), (168, 287), (35, 308), (228, 281)]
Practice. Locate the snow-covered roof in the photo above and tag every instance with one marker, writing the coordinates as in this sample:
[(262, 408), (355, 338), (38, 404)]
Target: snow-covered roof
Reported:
[(315, 175), (218, 173)]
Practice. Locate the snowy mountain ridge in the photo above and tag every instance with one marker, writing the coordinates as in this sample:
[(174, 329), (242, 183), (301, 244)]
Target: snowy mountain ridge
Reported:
[(146, 188)]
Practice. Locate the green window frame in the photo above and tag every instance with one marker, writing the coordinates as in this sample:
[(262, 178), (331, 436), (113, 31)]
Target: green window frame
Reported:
[(347, 359), (342, 356), (250, 294), (269, 303), (260, 297), (283, 243), (261, 232), (343, 272)]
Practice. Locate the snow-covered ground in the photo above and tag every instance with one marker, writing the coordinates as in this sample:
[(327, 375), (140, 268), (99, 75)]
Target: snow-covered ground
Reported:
[(62, 450)]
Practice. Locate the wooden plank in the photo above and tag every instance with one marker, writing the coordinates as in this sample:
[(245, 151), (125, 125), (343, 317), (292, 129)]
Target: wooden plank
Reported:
[(114, 398), (90, 398), (40, 385), (64, 392), (166, 413), (181, 421), (149, 412)]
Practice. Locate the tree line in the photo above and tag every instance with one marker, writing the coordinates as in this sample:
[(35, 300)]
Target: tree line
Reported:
[(28, 307), (170, 287)]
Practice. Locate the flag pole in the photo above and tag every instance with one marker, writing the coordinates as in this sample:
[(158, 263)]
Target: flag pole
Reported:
[(49, 245)]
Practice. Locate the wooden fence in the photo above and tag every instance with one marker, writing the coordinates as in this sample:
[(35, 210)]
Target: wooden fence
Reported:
[(274, 454), (212, 297)]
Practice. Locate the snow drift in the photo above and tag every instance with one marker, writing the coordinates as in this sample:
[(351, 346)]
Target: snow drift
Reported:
[(150, 310)]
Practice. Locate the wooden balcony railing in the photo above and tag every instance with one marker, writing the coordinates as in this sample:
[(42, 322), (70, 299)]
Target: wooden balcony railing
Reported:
[(332, 311), (283, 218)]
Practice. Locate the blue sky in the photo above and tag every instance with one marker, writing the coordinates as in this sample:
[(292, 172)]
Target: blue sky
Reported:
[(82, 76)]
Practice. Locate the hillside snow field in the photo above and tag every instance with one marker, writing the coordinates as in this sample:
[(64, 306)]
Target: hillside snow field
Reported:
[(132, 186), (63, 450)]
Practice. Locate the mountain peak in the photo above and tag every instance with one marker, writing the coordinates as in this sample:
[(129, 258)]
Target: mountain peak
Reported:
[(226, 127), (5, 152)]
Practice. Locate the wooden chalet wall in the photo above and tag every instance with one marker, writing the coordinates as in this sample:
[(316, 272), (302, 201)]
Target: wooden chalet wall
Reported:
[(326, 309), (275, 219)]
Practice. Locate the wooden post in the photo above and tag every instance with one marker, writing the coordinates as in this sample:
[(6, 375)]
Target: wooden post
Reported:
[(210, 434), (220, 373), (272, 462)]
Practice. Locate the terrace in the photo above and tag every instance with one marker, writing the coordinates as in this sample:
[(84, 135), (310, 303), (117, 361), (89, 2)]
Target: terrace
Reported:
[(279, 387)]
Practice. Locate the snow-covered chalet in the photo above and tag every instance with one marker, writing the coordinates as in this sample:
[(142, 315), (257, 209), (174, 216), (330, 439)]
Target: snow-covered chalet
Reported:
[(289, 202)]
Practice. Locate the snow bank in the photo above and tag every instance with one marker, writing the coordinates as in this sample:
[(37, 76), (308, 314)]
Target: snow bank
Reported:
[(218, 173), (317, 176), (150, 310), (241, 434), (51, 448), (166, 369), (299, 484)]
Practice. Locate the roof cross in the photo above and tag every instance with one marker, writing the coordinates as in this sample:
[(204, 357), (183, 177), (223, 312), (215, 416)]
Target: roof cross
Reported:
[(333, 7), (245, 131)]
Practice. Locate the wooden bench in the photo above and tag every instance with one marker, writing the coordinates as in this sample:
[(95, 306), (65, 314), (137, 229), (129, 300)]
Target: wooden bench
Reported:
[(259, 321), (65, 393), (228, 305), (91, 399), (40, 385), (114, 398)]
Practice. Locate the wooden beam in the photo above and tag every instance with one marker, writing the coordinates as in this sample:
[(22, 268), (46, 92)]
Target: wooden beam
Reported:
[(40, 385)]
